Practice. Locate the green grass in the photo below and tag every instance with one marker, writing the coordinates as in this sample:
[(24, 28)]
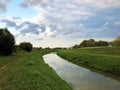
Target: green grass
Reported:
[(27, 71), (105, 59)]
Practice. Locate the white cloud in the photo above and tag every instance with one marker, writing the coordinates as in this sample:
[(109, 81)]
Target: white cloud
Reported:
[(70, 4), (59, 15), (101, 3), (117, 23), (48, 32), (61, 22), (3, 5), (105, 24)]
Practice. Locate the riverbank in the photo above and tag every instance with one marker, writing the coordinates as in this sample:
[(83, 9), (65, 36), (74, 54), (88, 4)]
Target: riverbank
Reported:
[(80, 78), (105, 59), (27, 71)]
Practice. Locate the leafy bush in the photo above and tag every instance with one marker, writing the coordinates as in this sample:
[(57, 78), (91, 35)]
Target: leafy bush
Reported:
[(26, 46), (102, 43), (117, 41), (7, 42)]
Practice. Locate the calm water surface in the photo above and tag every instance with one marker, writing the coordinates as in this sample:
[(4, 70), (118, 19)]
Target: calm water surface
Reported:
[(78, 77)]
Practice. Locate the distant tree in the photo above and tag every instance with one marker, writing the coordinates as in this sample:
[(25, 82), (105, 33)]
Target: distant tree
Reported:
[(76, 46), (91, 43), (111, 43), (117, 41), (84, 43), (7, 42), (101, 43), (40, 48), (88, 43), (57, 48), (47, 48), (26, 46), (97, 43)]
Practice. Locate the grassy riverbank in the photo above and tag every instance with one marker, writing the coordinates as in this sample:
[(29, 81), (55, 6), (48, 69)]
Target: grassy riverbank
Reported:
[(105, 59), (27, 71)]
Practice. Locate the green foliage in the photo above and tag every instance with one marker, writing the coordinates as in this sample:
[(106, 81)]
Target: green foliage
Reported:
[(88, 43), (26, 46), (47, 48), (76, 46), (111, 43), (7, 42), (91, 43), (84, 43), (27, 71), (117, 41), (106, 59), (101, 43)]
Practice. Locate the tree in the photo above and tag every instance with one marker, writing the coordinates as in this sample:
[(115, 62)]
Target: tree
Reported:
[(101, 43), (91, 43), (88, 43), (26, 46), (76, 46), (7, 42), (117, 41), (111, 43), (84, 43)]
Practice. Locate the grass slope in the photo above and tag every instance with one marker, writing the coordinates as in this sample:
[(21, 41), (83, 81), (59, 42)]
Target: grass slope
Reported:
[(106, 59), (27, 71)]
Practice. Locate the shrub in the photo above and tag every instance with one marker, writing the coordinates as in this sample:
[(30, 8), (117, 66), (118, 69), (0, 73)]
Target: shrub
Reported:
[(88, 43), (117, 41), (101, 43), (26, 46), (7, 42)]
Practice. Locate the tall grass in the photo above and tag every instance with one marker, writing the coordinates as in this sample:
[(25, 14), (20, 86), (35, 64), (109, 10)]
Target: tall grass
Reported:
[(29, 72), (106, 59)]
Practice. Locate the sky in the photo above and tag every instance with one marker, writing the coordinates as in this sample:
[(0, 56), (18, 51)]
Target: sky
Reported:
[(60, 23)]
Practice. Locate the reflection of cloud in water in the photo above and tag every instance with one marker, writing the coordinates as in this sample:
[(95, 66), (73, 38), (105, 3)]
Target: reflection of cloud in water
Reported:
[(78, 77)]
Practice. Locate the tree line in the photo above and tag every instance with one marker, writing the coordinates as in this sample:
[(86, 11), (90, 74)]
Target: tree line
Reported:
[(7, 43), (93, 43)]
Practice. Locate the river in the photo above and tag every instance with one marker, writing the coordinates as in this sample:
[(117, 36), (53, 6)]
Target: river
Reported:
[(78, 77)]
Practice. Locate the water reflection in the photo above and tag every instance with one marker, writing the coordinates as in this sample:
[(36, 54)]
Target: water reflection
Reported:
[(78, 77)]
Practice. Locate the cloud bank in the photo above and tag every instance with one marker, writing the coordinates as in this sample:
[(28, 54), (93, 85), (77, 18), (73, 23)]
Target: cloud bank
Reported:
[(67, 20)]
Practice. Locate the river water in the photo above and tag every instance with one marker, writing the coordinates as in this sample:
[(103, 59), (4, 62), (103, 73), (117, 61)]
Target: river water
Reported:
[(78, 77)]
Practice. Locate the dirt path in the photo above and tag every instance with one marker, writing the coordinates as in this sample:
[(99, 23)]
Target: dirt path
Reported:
[(4, 66)]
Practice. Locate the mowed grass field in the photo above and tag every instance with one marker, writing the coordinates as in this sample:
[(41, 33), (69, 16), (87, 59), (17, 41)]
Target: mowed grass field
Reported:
[(27, 71), (105, 59)]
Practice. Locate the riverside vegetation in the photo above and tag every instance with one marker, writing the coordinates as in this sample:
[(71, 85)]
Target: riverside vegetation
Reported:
[(27, 71), (105, 59), (22, 70)]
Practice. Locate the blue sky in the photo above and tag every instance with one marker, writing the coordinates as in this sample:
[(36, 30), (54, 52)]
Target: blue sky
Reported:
[(60, 23)]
